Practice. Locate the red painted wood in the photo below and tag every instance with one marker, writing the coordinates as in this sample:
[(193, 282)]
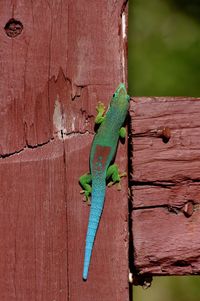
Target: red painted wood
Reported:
[(33, 225), (110, 249), (165, 185), (67, 56)]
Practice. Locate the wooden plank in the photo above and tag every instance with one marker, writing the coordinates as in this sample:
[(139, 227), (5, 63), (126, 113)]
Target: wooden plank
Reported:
[(165, 188), (33, 225), (53, 73)]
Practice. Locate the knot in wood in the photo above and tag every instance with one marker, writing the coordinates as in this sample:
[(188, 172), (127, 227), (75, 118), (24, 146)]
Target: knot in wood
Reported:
[(13, 28)]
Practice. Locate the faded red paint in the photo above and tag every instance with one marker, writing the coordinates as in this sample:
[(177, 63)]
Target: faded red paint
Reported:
[(166, 188), (49, 90)]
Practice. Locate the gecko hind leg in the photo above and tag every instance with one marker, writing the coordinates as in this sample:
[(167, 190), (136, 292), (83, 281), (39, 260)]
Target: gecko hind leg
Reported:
[(85, 181), (115, 175)]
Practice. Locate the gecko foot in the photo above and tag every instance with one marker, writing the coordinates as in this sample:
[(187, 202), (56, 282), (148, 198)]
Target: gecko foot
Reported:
[(85, 182), (100, 112), (100, 107), (86, 198)]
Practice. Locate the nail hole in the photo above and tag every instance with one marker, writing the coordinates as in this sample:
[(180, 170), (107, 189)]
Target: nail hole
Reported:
[(13, 28), (188, 209), (166, 134)]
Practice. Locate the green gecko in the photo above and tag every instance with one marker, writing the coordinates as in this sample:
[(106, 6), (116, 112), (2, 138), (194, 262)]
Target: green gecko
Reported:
[(102, 153)]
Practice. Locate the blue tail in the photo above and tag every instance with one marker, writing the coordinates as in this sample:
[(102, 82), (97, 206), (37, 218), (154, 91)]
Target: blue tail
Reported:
[(97, 202)]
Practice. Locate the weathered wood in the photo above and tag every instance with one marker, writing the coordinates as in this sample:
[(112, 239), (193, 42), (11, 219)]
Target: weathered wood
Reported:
[(165, 185), (33, 227), (58, 59)]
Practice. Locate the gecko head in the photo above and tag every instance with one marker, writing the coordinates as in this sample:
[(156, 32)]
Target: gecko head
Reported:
[(120, 97)]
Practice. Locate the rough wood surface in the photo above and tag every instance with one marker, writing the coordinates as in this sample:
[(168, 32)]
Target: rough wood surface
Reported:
[(58, 59), (165, 185)]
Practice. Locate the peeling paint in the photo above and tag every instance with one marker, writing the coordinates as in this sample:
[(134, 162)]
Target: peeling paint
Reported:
[(58, 119), (123, 25), (73, 123)]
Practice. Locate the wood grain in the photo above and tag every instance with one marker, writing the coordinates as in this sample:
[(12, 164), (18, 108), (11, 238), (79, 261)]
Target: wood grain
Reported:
[(165, 185), (68, 56)]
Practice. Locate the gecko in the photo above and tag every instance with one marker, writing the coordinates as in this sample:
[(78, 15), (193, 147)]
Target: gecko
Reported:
[(102, 169)]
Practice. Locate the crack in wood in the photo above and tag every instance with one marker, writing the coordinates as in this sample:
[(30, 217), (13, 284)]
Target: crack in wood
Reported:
[(124, 5), (3, 156), (169, 208), (163, 184), (39, 145)]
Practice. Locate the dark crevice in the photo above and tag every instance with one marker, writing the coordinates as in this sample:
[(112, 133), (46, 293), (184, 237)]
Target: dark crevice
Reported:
[(77, 92), (3, 156), (152, 183), (169, 208), (165, 184), (62, 134), (189, 180), (29, 146), (124, 4), (67, 226), (39, 144), (181, 263), (130, 209), (152, 207), (76, 133)]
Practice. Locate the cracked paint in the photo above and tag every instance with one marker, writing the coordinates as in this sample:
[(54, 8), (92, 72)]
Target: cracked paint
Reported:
[(58, 120)]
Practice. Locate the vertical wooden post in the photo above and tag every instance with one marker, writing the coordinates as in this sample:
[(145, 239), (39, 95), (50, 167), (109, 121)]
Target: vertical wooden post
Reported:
[(58, 59)]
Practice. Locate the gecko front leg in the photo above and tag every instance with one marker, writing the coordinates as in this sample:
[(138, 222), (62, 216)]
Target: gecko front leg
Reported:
[(100, 113)]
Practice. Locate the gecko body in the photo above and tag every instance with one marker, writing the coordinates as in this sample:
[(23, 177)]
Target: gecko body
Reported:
[(102, 153)]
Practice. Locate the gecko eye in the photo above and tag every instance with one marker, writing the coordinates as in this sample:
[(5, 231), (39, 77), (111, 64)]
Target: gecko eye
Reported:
[(114, 95)]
